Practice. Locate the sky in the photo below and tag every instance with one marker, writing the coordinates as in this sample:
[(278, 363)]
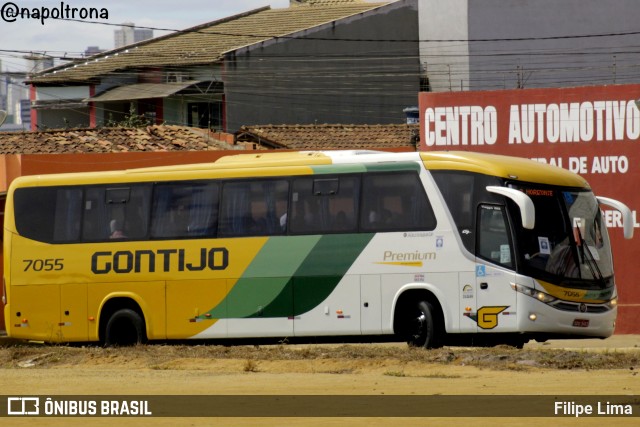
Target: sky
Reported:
[(63, 37)]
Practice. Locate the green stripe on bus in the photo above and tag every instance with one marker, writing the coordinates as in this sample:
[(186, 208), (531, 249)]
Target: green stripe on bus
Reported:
[(323, 269), (376, 167), (281, 256), (313, 266), (333, 254), (393, 166), (266, 278), (327, 169)]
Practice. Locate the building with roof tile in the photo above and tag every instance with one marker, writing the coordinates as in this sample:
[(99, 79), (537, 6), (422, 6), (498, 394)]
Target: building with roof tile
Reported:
[(113, 140), (171, 138), (331, 137), (321, 62)]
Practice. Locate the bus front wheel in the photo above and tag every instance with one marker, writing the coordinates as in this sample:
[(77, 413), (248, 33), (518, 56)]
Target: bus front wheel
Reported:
[(125, 327), (423, 328)]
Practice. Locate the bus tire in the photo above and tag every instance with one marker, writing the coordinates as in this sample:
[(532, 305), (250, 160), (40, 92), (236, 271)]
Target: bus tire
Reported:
[(424, 330), (125, 327)]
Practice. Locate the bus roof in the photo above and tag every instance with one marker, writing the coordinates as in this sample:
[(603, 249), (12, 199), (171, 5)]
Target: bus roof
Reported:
[(508, 167), (297, 162)]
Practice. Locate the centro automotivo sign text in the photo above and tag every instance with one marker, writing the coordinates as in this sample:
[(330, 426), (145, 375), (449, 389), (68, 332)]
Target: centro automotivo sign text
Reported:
[(533, 123)]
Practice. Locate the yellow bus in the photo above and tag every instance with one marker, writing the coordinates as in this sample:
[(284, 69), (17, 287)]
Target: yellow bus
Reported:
[(431, 248)]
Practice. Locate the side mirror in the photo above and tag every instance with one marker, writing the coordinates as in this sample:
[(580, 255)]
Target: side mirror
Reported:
[(627, 216), (524, 202)]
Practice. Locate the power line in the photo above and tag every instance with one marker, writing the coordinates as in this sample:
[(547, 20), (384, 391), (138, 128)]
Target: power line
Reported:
[(64, 55), (277, 88), (386, 40)]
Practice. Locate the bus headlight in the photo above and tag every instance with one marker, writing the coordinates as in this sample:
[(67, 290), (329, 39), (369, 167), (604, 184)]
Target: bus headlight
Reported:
[(613, 303), (540, 296)]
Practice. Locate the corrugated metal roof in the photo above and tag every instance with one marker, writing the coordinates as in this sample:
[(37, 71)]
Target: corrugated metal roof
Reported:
[(205, 44), (142, 91)]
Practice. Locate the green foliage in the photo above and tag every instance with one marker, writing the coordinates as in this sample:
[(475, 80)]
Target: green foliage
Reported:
[(131, 120)]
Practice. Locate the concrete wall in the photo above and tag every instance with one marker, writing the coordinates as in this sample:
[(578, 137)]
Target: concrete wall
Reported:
[(554, 52), (342, 78), (445, 63)]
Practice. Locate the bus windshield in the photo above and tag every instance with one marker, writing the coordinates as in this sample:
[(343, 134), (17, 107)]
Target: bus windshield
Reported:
[(569, 242)]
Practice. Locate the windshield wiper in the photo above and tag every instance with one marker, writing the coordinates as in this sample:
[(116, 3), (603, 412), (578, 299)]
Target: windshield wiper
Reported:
[(590, 260)]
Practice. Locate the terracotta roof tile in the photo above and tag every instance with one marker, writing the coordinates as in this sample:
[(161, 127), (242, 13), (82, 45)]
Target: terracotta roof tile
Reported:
[(109, 140), (331, 137)]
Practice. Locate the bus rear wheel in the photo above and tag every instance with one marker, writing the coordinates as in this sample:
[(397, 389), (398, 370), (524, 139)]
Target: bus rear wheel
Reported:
[(125, 327), (424, 330)]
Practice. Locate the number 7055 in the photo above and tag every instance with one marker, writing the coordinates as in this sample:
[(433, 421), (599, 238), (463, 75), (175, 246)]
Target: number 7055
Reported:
[(50, 264)]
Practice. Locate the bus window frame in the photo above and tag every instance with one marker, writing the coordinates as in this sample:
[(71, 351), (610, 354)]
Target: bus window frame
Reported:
[(221, 199), (334, 180), (512, 266), (152, 204)]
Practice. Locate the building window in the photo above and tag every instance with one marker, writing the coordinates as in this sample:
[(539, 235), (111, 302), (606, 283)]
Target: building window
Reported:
[(205, 115)]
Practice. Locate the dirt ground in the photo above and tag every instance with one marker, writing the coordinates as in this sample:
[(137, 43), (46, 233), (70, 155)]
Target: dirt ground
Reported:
[(585, 367)]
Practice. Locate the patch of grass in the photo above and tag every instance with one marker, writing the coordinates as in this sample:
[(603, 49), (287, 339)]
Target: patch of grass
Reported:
[(250, 366), (159, 367), (400, 374), (154, 356), (339, 371), (441, 376)]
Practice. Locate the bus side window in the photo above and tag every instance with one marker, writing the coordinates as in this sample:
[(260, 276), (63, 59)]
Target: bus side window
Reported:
[(116, 212), (49, 214), (462, 193), (67, 215), (185, 210), (324, 205), (203, 210), (493, 237), (395, 201), (254, 208)]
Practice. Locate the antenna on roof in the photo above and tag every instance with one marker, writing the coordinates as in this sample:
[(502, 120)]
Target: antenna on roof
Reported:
[(3, 117)]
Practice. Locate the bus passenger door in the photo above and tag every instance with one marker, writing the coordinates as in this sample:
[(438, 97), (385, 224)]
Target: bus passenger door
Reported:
[(496, 301)]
